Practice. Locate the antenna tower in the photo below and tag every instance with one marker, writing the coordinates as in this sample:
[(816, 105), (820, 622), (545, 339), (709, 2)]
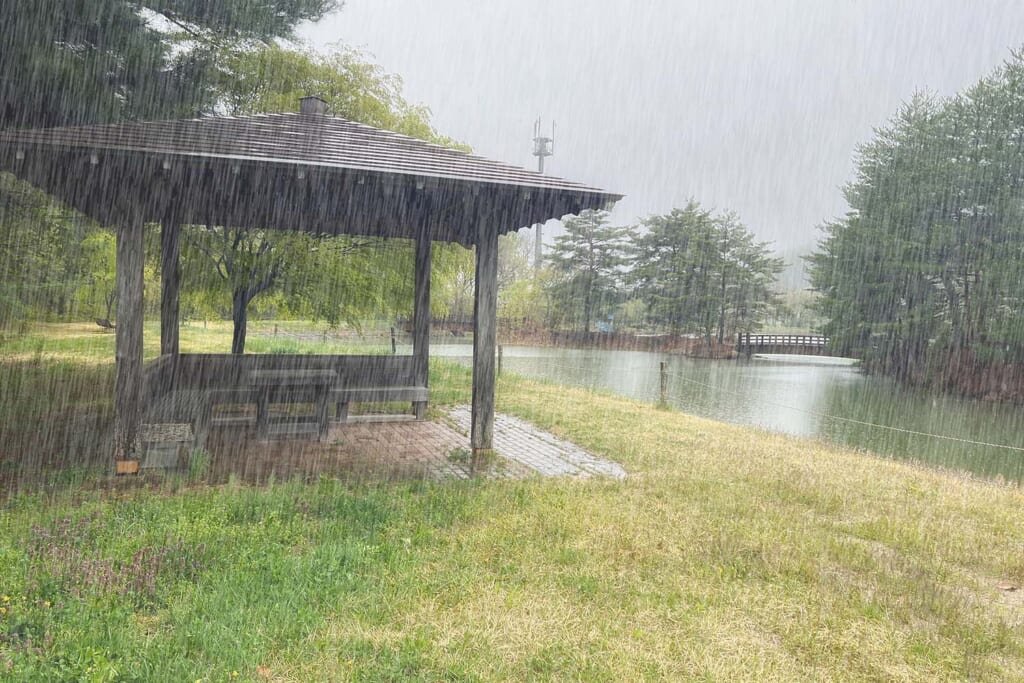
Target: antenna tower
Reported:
[(543, 147)]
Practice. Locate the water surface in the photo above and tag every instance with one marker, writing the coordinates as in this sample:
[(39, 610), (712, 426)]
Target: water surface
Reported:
[(825, 398)]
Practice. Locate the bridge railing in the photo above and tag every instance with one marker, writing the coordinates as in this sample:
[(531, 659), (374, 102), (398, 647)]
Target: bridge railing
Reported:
[(748, 341)]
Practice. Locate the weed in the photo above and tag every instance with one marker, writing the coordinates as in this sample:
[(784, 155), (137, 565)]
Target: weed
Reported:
[(198, 464), (460, 456)]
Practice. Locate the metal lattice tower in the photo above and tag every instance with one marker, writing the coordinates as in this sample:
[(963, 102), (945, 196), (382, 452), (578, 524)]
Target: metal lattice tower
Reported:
[(542, 147)]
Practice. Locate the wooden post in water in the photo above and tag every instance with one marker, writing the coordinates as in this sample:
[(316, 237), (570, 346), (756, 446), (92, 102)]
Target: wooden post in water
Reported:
[(663, 400)]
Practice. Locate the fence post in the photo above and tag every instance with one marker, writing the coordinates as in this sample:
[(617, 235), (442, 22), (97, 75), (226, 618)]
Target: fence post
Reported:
[(664, 385), (501, 350)]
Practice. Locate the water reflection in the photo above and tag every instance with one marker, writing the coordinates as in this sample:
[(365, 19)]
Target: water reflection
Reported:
[(807, 396)]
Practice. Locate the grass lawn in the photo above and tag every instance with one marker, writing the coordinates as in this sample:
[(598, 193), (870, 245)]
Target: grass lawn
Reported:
[(728, 554)]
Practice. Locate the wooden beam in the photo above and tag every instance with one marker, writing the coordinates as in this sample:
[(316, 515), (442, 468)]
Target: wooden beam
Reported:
[(421, 314), (170, 284), (128, 351), (485, 328)]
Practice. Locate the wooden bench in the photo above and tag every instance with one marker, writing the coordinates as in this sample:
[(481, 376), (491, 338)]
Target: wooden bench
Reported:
[(266, 387), (193, 385), (206, 415), (342, 396), (292, 386)]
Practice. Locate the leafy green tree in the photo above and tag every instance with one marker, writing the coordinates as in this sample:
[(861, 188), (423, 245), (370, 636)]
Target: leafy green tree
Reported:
[(520, 296), (68, 62), (100, 282), (587, 263), (272, 78), (698, 272), (27, 222), (744, 283), (85, 61), (313, 277), (885, 269), (672, 266), (923, 275), (54, 262), (41, 253)]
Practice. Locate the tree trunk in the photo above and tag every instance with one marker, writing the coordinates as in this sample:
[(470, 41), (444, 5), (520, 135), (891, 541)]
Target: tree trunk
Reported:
[(110, 298), (721, 311), (588, 294), (240, 317)]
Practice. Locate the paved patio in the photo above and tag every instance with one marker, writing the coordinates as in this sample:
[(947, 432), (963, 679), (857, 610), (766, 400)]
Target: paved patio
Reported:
[(433, 450), (542, 452)]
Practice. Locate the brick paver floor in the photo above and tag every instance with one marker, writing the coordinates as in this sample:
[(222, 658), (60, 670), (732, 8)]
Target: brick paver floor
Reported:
[(541, 451), (404, 450)]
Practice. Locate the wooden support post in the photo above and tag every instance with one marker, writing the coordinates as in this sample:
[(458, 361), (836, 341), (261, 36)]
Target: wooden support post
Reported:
[(170, 284), (128, 350), (322, 408), (263, 414), (484, 337), (421, 316)]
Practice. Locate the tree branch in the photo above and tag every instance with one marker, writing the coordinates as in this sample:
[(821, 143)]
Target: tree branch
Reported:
[(263, 285), (218, 261)]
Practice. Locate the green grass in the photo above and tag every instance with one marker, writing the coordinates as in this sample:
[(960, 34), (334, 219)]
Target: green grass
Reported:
[(86, 343), (728, 554)]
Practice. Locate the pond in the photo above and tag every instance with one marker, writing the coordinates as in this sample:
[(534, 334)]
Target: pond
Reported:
[(824, 398)]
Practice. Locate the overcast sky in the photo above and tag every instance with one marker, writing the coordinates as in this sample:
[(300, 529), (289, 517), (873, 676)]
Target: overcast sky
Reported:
[(749, 105)]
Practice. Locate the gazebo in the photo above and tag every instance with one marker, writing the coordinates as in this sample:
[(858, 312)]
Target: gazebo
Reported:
[(310, 172)]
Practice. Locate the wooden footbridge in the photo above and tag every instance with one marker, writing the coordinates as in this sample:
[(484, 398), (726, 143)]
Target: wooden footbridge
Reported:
[(802, 344)]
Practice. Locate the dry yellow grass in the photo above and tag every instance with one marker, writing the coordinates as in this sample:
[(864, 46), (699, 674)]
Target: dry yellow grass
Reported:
[(729, 554)]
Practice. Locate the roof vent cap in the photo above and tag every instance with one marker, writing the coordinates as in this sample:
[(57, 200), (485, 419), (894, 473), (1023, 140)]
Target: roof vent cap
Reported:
[(312, 105)]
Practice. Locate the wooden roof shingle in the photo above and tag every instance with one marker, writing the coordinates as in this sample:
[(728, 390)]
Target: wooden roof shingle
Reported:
[(441, 185)]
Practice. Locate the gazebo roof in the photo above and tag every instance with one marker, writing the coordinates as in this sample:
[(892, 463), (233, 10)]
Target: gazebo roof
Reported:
[(309, 171)]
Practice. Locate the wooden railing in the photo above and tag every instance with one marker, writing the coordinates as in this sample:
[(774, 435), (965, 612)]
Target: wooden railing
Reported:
[(812, 344)]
